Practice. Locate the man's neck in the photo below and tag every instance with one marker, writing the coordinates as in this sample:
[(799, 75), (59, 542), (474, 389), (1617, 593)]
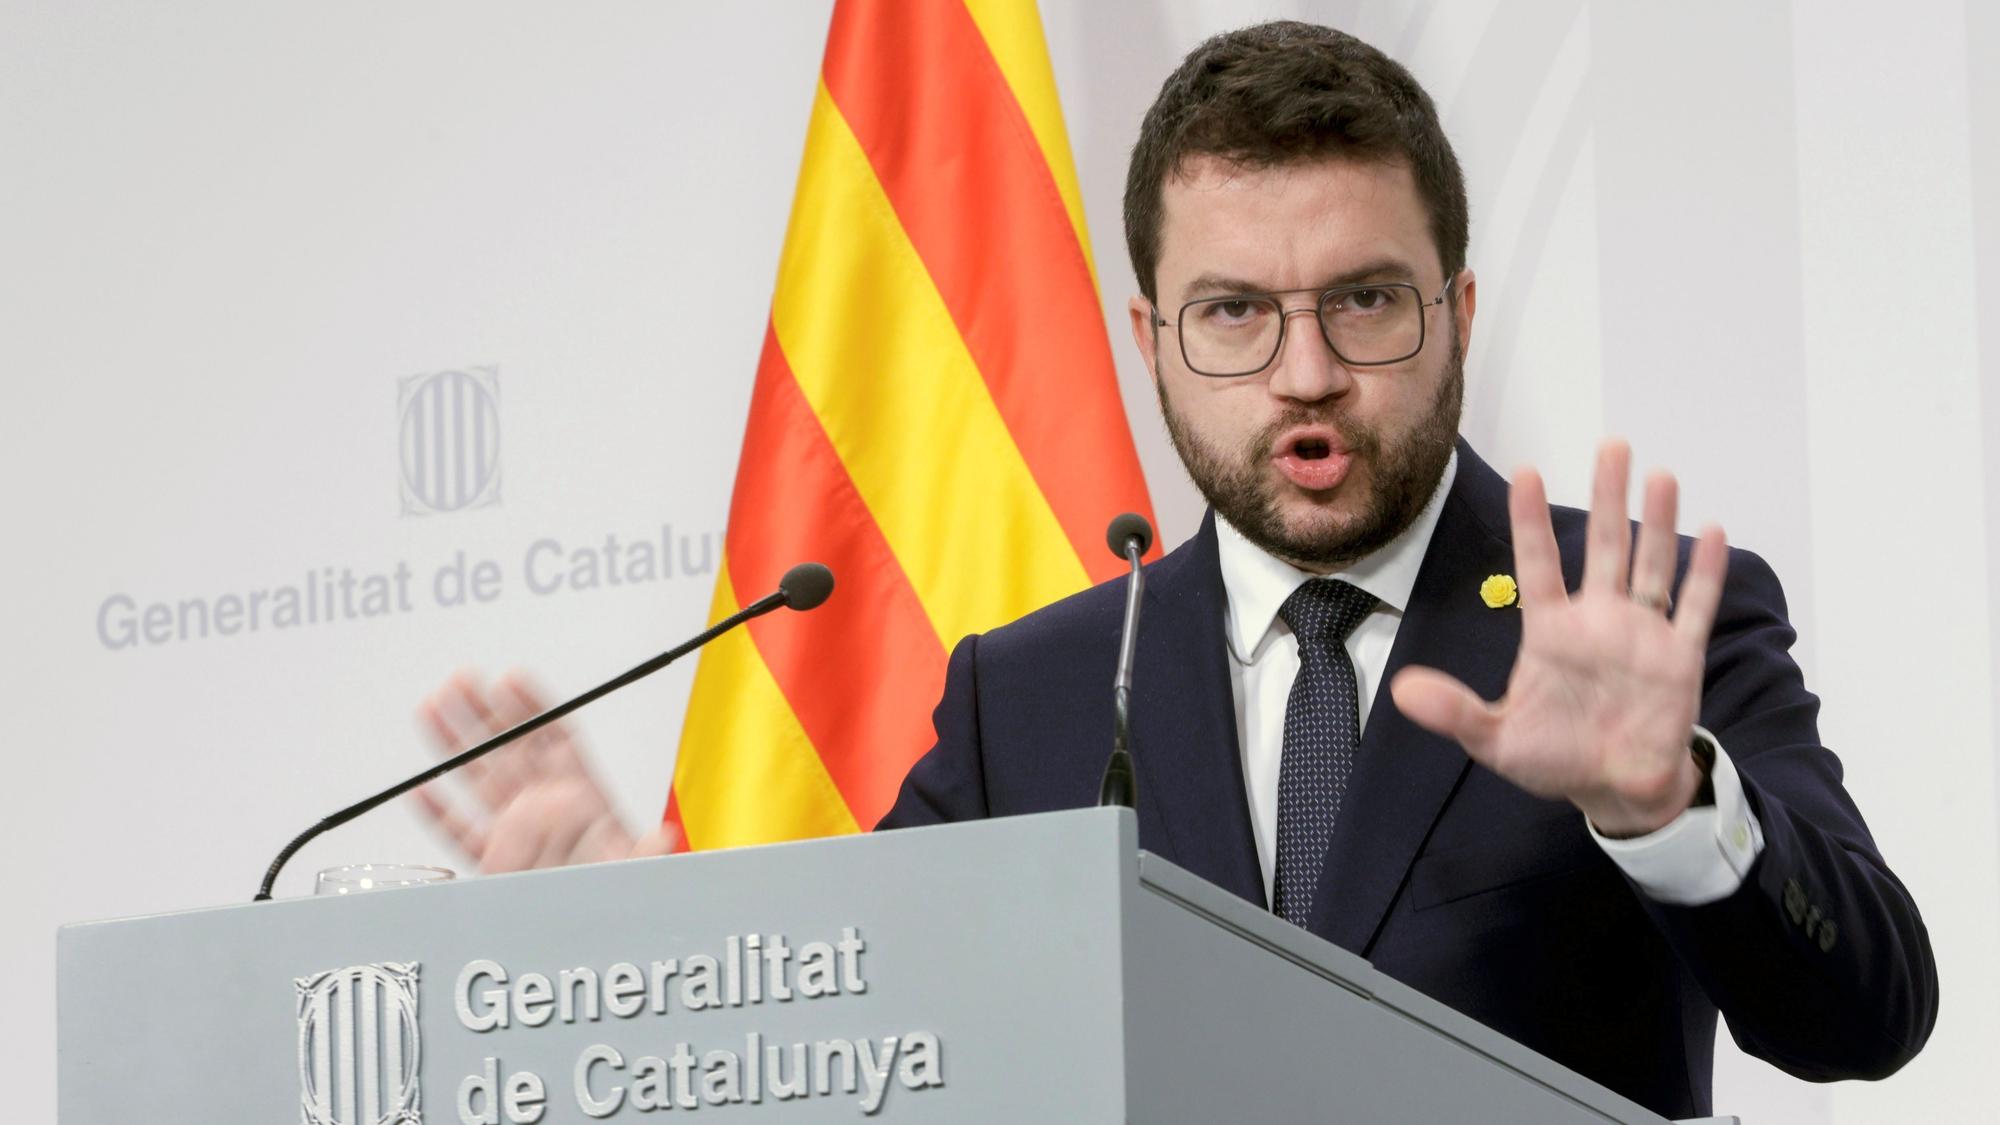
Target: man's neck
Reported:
[(1257, 581)]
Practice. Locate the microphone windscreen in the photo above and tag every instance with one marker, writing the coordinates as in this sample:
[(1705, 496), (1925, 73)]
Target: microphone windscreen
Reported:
[(806, 585), (1131, 525)]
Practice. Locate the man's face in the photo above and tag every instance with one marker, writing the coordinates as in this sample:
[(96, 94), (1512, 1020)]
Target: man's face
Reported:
[(1316, 461)]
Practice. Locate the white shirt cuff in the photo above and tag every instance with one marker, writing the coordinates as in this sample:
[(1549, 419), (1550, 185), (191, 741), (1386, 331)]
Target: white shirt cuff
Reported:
[(1703, 854)]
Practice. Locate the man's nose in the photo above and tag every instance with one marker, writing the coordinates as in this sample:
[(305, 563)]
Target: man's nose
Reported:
[(1306, 369)]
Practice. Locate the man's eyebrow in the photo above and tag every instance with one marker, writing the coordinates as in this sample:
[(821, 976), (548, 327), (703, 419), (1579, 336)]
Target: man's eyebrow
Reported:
[(1382, 269), (1213, 284), (1217, 284)]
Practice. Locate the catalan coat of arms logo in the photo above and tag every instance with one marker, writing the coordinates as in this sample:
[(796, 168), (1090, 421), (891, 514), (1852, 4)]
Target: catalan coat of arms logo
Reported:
[(449, 440), (358, 1046)]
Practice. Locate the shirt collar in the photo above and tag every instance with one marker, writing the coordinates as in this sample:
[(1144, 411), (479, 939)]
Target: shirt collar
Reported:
[(1257, 583)]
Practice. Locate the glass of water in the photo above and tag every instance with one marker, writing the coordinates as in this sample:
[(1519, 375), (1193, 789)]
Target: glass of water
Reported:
[(353, 878)]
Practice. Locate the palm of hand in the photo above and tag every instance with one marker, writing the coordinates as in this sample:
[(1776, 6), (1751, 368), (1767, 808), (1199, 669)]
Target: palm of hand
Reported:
[(1605, 689), (539, 803), (1601, 697)]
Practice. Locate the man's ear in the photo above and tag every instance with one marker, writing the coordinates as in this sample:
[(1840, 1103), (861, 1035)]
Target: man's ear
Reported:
[(1144, 335), (1467, 291)]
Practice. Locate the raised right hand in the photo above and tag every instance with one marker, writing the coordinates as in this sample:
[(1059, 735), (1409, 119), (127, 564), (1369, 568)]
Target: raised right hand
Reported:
[(540, 805)]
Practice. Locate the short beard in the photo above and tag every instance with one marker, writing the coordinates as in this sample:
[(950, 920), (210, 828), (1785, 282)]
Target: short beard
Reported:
[(1404, 474)]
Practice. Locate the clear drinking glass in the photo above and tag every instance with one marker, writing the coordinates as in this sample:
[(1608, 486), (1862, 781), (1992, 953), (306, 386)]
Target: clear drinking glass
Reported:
[(353, 878)]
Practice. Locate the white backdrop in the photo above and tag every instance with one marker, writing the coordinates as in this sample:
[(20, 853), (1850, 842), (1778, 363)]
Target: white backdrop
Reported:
[(236, 239)]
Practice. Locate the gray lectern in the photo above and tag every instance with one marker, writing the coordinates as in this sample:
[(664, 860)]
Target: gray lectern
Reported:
[(1023, 970)]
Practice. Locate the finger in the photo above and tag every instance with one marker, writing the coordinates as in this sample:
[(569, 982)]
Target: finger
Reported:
[(664, 839), (443, 734), (1653, 558), (526, 694), (1442, 705), (446, 717), (461, 712), (1701, 590), (453, 727), (460, 831), (1608, 554), (551, 747), (1537, 562), (511, 769)]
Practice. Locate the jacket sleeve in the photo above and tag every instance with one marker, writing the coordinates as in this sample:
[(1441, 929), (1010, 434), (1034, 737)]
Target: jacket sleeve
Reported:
[(1819, 961), (949, 782)]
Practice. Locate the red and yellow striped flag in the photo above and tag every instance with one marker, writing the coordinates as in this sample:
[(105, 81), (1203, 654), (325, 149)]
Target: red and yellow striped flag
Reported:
[(936, 417)]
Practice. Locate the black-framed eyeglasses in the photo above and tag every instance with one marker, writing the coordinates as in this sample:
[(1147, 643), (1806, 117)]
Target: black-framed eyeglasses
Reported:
[(1365, 325)]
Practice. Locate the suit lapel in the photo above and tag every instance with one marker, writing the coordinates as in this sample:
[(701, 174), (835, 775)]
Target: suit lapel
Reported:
[(1192, 807), (1404, 775)]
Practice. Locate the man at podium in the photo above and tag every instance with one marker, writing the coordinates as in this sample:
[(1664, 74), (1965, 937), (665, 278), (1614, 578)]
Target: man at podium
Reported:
[(1640, 831)]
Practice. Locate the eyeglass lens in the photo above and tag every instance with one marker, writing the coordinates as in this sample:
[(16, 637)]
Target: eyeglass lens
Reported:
[(1241, 335)]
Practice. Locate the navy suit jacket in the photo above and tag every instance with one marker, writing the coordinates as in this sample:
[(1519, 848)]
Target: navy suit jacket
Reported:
[(1451, 879)]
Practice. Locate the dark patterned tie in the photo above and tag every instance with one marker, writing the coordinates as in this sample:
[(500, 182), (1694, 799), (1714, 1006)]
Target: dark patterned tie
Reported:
[(1322, 729)]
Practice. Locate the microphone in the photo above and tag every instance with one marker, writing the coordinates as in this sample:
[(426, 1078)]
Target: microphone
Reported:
[(1129, 537), (1126, 528), (803, 587)]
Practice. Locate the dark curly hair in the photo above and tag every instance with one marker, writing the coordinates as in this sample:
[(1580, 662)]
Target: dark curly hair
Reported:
[(1287, 91)]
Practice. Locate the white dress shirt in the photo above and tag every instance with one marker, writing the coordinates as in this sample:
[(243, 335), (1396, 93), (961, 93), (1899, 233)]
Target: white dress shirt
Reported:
[(1700, 857)]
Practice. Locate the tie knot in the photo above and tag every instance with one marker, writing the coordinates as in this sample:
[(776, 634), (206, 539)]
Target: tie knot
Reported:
[(1325, 610)]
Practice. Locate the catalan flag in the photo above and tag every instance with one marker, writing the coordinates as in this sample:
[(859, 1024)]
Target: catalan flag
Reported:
[(935, 416)]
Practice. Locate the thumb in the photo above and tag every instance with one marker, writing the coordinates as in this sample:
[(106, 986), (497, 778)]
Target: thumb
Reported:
[(664, 839), (1442, 705)]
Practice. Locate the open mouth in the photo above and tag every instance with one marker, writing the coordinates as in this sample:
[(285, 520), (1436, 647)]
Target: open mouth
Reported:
[(1313, 462)]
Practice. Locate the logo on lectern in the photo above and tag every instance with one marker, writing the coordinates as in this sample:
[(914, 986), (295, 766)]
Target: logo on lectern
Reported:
[(358, 1053)]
